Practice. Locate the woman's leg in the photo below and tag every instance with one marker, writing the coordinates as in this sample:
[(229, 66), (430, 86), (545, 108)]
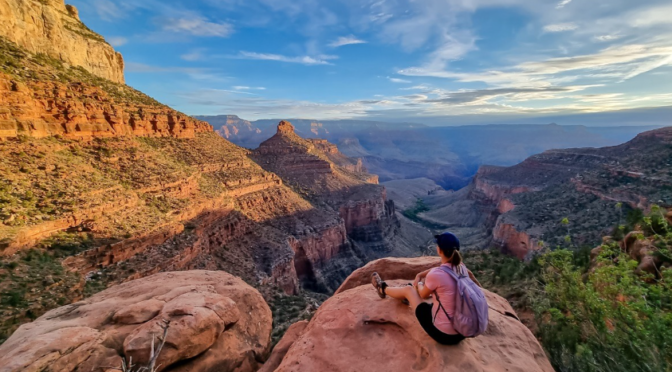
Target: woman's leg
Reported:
[(406, 292)]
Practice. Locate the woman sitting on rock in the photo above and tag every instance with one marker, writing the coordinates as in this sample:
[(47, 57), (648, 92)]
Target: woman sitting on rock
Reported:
[(438, 319)]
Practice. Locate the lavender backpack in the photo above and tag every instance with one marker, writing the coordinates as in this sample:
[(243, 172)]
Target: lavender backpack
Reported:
[(471, 307)]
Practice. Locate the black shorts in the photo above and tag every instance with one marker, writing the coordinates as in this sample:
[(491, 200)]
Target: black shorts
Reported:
[(424, 314)]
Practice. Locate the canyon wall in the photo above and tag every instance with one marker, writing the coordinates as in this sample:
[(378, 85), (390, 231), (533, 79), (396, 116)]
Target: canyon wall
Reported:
[(523, 207), (107, 185), (75, 110), (50, 27)]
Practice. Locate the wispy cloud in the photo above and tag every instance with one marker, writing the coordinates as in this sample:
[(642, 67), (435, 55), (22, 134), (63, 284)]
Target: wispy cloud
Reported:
[(304, 60), (399, 81), (241, 87), (621, 62), (195, 73), (346, 40), (561, 27), (562, 4), (194, 55), (117, 41), (107, 10), (197, 27), (603, 38), (144, 68)]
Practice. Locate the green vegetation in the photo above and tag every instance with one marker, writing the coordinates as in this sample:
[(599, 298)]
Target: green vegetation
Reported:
[(41, 68), (82, 30), (593, 315), (287, 310), (34, 281), (412, 213)]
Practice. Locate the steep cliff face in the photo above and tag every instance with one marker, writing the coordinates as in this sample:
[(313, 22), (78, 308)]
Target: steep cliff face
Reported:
[(523, 206), (52, 28), (40, 96)]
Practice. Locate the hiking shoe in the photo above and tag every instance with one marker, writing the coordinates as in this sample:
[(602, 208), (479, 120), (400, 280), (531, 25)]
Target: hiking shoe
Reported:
[(378, 284)]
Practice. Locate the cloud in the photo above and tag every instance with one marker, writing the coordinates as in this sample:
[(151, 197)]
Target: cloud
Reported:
[(239, 87), (560, 27), (195, 73), (603, 38), (619, 62), (304, 60), (562, 4), (398, 81), (107, 10), (346, 40), (194, 55), (652, 16), (117, 41), (197, 27)]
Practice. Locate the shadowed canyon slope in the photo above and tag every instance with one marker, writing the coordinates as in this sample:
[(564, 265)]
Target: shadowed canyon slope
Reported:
[(121, 208), (519, 207)]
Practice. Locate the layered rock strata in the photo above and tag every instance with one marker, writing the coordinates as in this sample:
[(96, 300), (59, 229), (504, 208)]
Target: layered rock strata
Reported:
[(75, 110), (52, 28), (340, 185)]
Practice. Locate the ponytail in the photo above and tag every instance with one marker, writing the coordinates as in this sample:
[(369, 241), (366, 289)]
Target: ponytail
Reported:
[(456, 258)]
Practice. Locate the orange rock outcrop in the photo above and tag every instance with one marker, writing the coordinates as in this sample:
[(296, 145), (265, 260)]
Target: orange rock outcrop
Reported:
[(357, 331), (75, 110), (50, 27), (215, 322)]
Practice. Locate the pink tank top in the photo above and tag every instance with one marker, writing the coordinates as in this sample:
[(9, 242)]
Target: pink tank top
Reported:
[(443, 284)]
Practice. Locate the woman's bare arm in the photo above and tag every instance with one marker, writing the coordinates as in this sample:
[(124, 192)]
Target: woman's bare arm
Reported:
[(420, 277), (471, 275), (423, 291)]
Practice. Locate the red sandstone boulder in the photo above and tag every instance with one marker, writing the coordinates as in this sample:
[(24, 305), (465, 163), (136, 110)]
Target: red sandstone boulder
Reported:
[(357, 331), (389, 268), (217, 323), (280, 350)]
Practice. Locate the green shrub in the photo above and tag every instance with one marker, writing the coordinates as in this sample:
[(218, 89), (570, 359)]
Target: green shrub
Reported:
[(611, 319)]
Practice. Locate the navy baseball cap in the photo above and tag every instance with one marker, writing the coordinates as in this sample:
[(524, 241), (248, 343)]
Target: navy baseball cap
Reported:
[(447, 241)]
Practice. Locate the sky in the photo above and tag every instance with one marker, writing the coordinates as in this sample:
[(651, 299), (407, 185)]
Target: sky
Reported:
[(444, 62)]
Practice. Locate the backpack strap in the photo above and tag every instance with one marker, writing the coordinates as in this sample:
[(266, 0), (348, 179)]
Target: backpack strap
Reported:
[(455, 276), (440, 308)]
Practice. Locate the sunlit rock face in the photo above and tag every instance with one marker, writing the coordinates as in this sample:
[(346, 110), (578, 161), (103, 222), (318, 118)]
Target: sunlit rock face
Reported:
[(50, 27)]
